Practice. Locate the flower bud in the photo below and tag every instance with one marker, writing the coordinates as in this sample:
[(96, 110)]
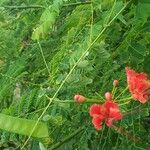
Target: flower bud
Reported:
[(108, 96), (79, 98), (115, 83)]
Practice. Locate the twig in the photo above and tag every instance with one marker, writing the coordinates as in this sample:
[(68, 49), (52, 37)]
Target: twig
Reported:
[(122, 93), (41, 50), (127, 134), (134, 111), (66, 139), (16, 80), (125, 102), (40, 6), (23, 7), (78, 3), (72, 101)]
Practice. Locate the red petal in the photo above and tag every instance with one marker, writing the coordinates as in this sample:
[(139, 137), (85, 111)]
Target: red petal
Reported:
[(141, 97), (138, 85), (95, 109), (97, 122), (113, 110), (142, 76), (116, 115), (109, 122), (111, 104)]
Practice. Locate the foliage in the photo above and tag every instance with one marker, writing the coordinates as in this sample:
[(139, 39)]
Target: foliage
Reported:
[(22, 126), (51, 50)]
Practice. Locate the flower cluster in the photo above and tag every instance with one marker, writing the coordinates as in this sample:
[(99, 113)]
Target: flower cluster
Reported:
[(138, 85), (107, 112)]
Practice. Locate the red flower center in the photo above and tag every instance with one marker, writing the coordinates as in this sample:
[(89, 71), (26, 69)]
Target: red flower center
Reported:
[(108, 112)]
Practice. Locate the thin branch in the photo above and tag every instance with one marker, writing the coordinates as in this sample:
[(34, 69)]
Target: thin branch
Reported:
[(19, 80), (129, 135), (41, 50), (122, 93), (78, 3), (40, 6), (134, 111), (55, 146), (23, 7)]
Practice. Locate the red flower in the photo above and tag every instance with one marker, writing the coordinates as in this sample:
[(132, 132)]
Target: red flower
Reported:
[(97, 122), (79, 98), (97, 110), (138, 85), (112, 112), (108, 112)]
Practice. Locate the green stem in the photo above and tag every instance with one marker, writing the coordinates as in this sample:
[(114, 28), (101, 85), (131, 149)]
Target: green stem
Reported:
[(72, 101), (125, 103), (134, 111), (64, 101), (100, 96), (78, 3), (41, 50), (125, 99), (19, 80), (113, 92), (129, 135), (23, 7), (61, 101), (122, 92), (93, 101), (55, 146), (40, 6)]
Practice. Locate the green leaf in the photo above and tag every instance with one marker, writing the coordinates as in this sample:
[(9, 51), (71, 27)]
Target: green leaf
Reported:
[(143, 11), (23, 126), (137, 50), (146, 64), (47, 19)]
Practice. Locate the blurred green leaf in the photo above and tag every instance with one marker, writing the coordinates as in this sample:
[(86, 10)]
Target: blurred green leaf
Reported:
[(23, 126)]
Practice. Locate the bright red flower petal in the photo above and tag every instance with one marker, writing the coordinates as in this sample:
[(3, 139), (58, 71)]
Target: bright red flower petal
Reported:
[(109, 122), (109, 111), (97, 122), (95, 109), (112, 112), (110, 105), (138, 85)]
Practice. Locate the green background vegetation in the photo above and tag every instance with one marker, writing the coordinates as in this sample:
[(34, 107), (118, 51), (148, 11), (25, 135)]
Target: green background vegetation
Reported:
[(58, 48)]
